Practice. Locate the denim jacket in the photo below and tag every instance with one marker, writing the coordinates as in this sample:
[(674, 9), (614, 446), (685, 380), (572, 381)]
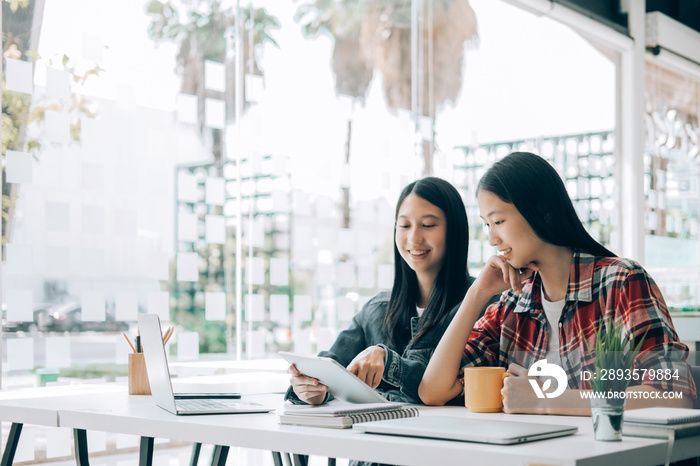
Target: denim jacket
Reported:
[(402, 372)]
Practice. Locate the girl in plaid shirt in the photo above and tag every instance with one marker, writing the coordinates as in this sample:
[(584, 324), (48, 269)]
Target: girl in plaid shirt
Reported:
[(558, 286)]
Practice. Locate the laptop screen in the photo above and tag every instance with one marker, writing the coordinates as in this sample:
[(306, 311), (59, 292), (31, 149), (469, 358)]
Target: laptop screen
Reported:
[(156, 362)]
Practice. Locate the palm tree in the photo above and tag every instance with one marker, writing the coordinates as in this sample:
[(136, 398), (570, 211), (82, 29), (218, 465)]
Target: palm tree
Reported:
[(449, 26), (353, 72), (199, 31), (200, 37), (376, 35)]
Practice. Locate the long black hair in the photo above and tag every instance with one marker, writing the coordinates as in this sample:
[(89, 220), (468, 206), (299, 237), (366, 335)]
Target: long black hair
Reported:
[(451, 281), (534, 187)]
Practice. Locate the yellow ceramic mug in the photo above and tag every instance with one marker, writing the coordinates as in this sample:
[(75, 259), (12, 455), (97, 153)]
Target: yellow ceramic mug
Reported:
[(482, 388)]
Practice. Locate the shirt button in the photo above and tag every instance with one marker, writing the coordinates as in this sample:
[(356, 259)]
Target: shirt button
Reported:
[(560, 325)]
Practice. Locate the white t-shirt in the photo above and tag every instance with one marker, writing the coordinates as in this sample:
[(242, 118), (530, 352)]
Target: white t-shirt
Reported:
[(553, 312), (420, 310)]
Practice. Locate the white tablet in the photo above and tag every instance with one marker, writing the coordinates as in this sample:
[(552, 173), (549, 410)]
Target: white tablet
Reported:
[(341, 383)]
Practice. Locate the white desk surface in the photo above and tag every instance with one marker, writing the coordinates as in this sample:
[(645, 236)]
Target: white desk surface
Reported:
[(116, 411), (39, 406)]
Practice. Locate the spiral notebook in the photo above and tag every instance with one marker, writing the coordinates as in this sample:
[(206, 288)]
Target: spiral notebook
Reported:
[(659, 415), (343, 416)]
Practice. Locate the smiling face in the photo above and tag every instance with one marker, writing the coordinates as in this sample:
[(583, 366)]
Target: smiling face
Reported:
[(509, 231), (421, 236)]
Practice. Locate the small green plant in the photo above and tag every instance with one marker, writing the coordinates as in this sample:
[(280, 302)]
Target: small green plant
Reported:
[(614, 353)]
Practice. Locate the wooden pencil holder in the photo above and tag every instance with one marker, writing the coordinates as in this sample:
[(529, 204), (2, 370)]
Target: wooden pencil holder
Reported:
[(138, 377)]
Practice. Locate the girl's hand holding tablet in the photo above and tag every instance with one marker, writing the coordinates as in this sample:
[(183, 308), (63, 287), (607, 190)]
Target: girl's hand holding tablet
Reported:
[(307, 389)]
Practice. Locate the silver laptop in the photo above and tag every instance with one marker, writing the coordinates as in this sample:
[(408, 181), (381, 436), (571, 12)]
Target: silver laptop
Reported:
[(162, 388), (466, 430)]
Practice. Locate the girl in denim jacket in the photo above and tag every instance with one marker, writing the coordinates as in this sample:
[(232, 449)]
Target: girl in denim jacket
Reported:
[(389, 342)]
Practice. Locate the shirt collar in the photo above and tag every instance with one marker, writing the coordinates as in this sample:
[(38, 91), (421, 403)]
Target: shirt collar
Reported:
[(581, 277), (580, 283), (528, 299)]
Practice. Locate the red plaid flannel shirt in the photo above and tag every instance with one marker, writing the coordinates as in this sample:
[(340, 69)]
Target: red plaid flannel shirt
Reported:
[(600, 288)]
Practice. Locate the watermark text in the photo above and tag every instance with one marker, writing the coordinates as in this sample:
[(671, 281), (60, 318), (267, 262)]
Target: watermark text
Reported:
[(632, 395)]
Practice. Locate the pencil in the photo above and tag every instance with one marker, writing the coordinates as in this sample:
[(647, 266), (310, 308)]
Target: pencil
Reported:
[(129, 342), (168, 334)]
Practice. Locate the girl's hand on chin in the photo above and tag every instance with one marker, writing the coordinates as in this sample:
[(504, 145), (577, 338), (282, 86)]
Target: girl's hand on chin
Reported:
[(499, 276)]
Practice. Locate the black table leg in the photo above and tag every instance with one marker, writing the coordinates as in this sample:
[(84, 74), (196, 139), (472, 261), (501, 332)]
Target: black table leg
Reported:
[(146, 451), (11, 446), (277, 458), (331, 461), (194, 458), (300, 460), (220, 455), (81, 447)]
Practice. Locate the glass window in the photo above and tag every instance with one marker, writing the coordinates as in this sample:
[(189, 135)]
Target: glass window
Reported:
[(241, 183), (671, 184)]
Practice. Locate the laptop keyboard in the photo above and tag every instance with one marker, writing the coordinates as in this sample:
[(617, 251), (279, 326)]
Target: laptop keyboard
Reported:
[(205, 405)]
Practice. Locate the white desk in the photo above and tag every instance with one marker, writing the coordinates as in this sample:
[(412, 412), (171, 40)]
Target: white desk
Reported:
[(137, 415), (32, 406), (40, 406)]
